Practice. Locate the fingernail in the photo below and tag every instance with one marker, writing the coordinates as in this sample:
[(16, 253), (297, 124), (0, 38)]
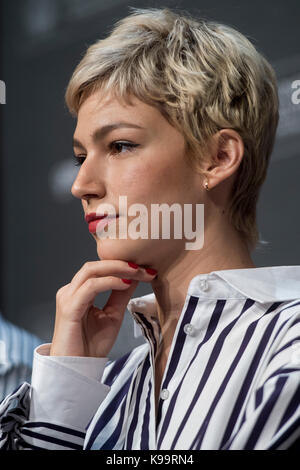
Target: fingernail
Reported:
[(151, 271), (133, 265), (127, 281)]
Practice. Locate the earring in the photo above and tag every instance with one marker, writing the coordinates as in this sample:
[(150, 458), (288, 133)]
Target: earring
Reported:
[(206, 186)]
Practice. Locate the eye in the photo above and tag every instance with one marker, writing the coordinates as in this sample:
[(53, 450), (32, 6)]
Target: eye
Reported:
[(79, 159), (115, 144), (118, 144)]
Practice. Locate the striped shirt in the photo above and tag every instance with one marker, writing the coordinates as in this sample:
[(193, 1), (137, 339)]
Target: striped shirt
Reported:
[(16, 355), (232, 379)]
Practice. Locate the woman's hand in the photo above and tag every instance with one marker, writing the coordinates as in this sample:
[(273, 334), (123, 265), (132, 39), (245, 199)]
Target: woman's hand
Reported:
[(81, 329)]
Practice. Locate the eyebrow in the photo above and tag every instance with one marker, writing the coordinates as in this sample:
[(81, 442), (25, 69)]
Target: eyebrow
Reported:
[(102, 131)]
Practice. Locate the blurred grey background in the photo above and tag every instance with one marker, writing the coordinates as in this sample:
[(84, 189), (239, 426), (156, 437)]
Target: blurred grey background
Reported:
[(44, 239)]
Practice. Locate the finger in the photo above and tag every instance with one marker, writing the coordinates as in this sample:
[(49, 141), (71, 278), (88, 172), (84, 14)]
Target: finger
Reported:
[(86, 294), (107, 268), (118, 300)]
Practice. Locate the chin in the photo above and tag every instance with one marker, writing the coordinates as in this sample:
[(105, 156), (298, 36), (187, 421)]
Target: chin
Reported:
[(125, 250)]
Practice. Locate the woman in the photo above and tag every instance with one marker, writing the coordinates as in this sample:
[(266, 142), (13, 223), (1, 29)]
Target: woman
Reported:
[(195, 108)]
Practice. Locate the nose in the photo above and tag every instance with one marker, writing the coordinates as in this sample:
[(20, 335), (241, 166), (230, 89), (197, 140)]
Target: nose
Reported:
[(86, 184)]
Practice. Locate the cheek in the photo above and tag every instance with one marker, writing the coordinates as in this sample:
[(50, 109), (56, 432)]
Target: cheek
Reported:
[(137, 179), (150, 179)]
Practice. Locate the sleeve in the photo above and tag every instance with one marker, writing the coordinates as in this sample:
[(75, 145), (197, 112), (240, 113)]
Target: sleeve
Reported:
[(272, 416), (53, 412)]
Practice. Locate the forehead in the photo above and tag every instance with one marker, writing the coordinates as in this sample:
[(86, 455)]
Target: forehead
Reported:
[(100, 113), (100, 106), (104, 110)]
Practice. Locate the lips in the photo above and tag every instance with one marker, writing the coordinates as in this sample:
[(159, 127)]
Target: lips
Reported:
[(93, 221), (90, 217)]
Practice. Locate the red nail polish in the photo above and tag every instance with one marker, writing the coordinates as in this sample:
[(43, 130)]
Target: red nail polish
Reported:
[(151, 271), (127, 281), (133, 265)]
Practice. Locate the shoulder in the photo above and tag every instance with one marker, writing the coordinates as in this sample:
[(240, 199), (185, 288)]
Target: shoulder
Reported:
[(280, 336), (284, 322), (287, 315), (289, 324), (280, 315)]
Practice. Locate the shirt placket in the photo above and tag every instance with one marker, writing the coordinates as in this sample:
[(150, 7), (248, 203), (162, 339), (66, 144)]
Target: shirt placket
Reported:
[(151, 331)]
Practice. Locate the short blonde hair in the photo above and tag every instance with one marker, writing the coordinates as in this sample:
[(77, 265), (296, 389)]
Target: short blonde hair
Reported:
[(203, 76)]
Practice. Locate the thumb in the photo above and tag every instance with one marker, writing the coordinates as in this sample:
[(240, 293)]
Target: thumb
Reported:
[(118, 300)]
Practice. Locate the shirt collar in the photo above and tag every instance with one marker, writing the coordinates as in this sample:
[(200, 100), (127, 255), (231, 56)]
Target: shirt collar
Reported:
[(264, 284)]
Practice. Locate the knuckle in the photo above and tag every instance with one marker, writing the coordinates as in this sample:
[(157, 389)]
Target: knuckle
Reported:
[(115, 280), (62, 291), (87, 265), (90, 283), (59, 293)]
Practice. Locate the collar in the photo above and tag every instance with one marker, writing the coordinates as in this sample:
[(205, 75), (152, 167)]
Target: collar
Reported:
[(264, 284)]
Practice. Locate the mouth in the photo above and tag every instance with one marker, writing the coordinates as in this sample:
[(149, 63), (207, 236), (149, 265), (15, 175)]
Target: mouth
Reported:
[(93, 216), (94, 220)]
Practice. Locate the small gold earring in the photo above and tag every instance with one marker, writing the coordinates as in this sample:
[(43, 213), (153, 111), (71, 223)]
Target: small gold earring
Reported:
[(206, 186)]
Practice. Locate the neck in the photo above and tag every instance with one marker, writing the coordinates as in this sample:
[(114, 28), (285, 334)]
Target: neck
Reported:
[(223, 249)]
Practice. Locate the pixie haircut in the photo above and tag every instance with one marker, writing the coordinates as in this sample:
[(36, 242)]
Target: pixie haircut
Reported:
[(203, 76)]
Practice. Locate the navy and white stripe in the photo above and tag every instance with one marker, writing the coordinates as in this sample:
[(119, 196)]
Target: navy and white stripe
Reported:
[(16, 355), (232, 380), (19, 434)]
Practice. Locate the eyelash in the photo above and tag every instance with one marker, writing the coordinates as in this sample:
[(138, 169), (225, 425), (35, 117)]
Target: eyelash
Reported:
[(80, 159)]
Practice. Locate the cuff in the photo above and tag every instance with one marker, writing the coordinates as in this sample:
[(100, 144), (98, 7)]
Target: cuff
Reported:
[(91, 367), (66, 390)]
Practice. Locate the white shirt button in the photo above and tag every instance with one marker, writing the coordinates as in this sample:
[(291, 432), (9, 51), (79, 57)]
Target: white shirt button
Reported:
[(203, 284), (188, 329), (164, 394)]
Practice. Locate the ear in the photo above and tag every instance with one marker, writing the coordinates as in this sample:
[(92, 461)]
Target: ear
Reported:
[(226, 153)]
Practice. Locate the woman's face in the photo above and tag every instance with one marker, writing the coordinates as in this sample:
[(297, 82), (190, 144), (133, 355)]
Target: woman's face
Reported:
[(150, 169)]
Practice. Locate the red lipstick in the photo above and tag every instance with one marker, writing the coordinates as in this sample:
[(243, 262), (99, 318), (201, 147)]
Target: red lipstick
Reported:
[(93, 220), (94, 216)]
